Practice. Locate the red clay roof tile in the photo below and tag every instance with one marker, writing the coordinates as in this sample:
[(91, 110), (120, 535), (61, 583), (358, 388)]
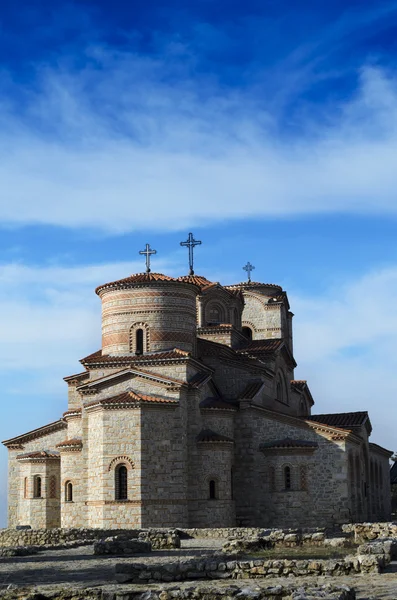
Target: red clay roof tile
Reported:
[(136, 279), (126, 359), (130, 397)]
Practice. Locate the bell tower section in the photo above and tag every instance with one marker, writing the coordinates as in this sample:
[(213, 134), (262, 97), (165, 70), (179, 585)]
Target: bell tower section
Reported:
[(266, 313)]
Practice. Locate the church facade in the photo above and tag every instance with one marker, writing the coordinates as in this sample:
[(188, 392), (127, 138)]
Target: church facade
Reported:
[(190, 416)]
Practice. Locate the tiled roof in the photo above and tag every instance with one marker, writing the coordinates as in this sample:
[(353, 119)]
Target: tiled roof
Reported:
[(72, 411), (138, 372), (127, 359), (134, 279), (289, 443), (343, 420), (37, 433), (198, 280), (126, 398), (38, 454), (82, 375), (268, 346), (71, 442), (217, 404), (246, 284), (199, 379), (207, 435), (251, 390)]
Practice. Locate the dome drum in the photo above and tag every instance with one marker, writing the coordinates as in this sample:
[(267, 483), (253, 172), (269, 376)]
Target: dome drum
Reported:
[(148, 318)]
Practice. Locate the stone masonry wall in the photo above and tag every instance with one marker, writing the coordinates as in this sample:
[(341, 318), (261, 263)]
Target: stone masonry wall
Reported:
[(260, 501)]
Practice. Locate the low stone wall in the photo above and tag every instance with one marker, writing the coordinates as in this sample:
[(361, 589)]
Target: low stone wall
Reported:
[(160, 539), (120, 544), (370, 531), (222, 568), (200, 592)]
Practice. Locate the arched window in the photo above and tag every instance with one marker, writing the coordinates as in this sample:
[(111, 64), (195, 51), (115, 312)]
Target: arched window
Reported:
[(121, 482), (68, 491), (139, 338), (215, 313), (37, 486), (212, 489), (139, 341), (53, 487), (247, 332), (287, 478), (25, 487)]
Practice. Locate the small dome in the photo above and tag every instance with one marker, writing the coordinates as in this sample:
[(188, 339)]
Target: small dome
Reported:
[(136, 279)]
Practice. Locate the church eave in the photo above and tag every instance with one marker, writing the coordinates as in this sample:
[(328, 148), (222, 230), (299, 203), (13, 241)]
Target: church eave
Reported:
[(36, 433)]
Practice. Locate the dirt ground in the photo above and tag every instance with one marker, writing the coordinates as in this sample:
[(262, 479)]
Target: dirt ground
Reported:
[(79, 567)]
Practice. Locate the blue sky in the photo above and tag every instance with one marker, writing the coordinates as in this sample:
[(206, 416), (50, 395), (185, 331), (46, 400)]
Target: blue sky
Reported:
[(267, 128)]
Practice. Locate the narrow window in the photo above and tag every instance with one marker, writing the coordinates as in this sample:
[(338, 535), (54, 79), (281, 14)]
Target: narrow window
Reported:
[(287, 478), (25, 487), (139, 341), (212, 489), (68, 491), (121, 479), (53, 486), (37, 486)]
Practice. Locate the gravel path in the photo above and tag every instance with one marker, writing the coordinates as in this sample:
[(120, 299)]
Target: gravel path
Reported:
[(79, 567)]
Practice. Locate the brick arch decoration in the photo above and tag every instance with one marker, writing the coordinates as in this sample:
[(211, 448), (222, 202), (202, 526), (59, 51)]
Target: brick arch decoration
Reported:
[(219, 306), (146, 337), (248, 324), (121, 460)]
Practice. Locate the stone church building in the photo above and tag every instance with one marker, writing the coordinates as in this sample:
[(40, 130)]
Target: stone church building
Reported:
[(190, 416)]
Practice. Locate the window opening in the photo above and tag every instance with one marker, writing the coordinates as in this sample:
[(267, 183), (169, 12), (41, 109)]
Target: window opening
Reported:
[(139, 341), (121, 480), (287, 478), (68, 491), (37, 487), (212, 486)]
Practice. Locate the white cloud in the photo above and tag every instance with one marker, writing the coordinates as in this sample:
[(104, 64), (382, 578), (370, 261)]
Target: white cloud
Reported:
[(345, 347), (117, 148)]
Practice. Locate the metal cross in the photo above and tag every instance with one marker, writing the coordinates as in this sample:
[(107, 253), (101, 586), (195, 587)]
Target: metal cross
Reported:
[(249, 268), (191, 243), (148, 252)]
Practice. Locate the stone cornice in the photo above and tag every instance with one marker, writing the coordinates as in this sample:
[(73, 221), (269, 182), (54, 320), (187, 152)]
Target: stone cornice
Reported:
[(36, 433)]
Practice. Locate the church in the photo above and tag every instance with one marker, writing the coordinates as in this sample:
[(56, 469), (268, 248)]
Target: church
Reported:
[(189, 415)]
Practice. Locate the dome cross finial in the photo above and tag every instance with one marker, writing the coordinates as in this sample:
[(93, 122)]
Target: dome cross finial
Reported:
[(191, 243), (148, 252), (249, 268)]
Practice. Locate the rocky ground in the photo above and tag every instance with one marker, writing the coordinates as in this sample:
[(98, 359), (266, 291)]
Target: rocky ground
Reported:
[(80, 567)]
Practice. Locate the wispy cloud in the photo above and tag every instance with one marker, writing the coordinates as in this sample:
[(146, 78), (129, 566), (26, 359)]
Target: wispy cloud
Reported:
[(117, 143)]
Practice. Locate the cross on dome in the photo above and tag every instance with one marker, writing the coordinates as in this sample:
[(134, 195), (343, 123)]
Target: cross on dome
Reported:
[(191, 243), (148, 252), (249, 268)]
